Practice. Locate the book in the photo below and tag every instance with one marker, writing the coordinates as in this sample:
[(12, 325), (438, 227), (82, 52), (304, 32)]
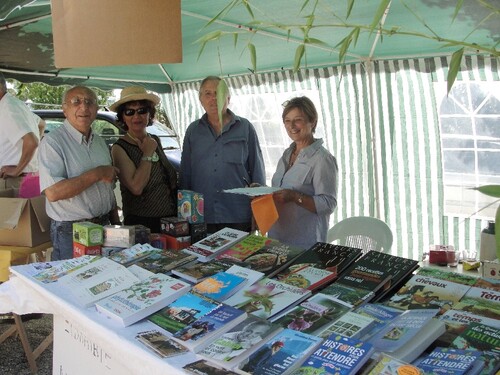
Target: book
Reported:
[(142, 299), (384, 364), (244, 248), (281, 354), (339, 355), (313, 315), (251, 276), (132, 254), (203, 367), (165, 261), (140, 272), (97, 280), (409, 334), (50, 272), (185, 310), (421, 292), (228, 349), (487, 283), (220, 286), (349, 294), (381, 315), (480, 301), (449, 361), (197, 271), (267, 298), (161, 344), (196, 335), (210, 246), (482, 337), (308, 277), (456, 277), (351, 324)]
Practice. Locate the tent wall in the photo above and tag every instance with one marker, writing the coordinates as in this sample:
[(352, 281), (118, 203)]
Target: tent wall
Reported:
[(380, 120)]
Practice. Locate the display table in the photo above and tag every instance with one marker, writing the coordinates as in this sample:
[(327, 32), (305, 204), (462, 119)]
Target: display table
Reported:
[(15, 255), (85, 342)]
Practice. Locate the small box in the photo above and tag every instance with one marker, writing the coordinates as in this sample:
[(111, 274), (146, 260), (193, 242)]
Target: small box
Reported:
[(175, 226), (177, 243), (197, 231), (81, 250), (119, 235), (190, 206), (491, 269), (87, 233), (159, 240), (441, 254), (142, 234)]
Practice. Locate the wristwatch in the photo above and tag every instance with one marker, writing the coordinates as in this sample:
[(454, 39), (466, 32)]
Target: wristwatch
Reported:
[(147, 158), (300, 200)]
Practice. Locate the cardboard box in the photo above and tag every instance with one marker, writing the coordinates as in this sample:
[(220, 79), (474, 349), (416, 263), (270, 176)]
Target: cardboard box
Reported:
[(142, 234), (190, 206), (159, 240), (23, 222), (81, 250), (442, 254), (490, 269), (87, 233), (119, 235), (175, 226)]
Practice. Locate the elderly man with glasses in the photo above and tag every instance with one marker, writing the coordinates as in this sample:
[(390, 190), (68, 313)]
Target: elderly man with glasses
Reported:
[(76, 174)]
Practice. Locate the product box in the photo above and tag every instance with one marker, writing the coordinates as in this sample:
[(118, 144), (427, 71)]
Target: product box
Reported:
[(119, 235), (81, 250), (175, 226), (87, 233), (190, 206), (142, 234), (491, 269), (441, 254), (197, 231), (23, 221), (177, 243), (158, 240)]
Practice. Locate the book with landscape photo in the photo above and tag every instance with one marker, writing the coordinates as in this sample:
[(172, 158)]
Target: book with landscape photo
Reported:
[(132, 254), (351, 324), (97, 280), (422, 292), (228, 349), (381, 314), (165, 261), (210, 246), (349, 294), (313, 315), (409, 334), (53, 271), (281, 354), (439, 273), (183, 311), (216, 322), (450, 361), (161, 344), (267, 298), (480, 301), (204, 367), (220, 286), (142, 299), (244, 248), (337, 355), (197, 271)]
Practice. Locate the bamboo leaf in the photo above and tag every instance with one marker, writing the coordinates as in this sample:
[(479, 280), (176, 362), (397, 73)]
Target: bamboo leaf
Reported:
[(235, 39), (222, 94), (226, 9), (213, 35), (201, 50), (248, 8), (253, 56), (379, 13), (304, 5), (299, 53), (350, 4), (316, 42), (457, 9), (490, 190), (456, 59)]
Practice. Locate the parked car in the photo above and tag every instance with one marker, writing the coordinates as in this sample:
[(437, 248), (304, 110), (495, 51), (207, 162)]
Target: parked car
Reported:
[(106, 126)]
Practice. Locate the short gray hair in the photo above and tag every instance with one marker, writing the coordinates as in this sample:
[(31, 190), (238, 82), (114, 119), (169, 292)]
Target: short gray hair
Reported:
[(88, 89)]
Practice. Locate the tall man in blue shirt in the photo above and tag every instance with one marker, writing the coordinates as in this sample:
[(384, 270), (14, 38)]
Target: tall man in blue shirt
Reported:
[(223, 156)]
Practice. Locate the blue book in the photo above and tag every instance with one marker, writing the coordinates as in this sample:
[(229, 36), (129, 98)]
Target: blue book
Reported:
[(339, 355), (220, 286), (449, 361), (380, 313)]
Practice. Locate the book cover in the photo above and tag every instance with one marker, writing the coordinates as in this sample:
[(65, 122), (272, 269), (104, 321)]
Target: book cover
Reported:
[(480, 301), (97, 280), (381, 315), (214, 244), (267, 298), (219, 286), (243, 249), (251, 276), (448, 361), (337, 355), (161, 344), (349, 294), (351, 324), (196, 335), (132, 254), (228, 349), (142, 299), (165, 261), (203, 367), (421, 292), (384, 364), (456, 277), (197, 271), (53, 271), (281, 354), (183, 311), (487, 283), (407, 336), (309, 277), (313, 315), (482, 337)]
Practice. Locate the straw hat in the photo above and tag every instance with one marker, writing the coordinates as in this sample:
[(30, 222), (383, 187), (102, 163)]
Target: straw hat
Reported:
[(133, 93)]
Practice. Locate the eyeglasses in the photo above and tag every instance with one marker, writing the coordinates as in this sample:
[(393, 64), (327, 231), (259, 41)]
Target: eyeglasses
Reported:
[(140, 111), (76, 102)]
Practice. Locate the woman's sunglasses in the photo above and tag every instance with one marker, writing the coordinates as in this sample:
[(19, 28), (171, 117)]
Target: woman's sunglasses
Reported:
[(140, 111)]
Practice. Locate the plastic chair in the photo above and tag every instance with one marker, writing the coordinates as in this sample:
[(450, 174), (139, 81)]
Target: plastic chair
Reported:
[(364, 232)]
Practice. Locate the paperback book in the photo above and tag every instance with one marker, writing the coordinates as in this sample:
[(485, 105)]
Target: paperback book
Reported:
[(349, 294), (309, 277), (450, 361), (480, 301), (210, 246), (456, 277), (232, 346), (142, 299), (337, 355), (267, 298), (281, 354), (243, 249), (131, 255), (197, 271), (203, 367), (381, 314), (53, 271), (165, 261), (220, 286), (161, 344), (384, 364), (250, 276), (351, 324)]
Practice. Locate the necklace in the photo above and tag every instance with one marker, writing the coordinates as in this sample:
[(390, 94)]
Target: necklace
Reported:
[(155, 156)]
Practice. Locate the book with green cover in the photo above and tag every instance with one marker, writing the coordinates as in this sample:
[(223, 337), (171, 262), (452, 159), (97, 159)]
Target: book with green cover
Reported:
[(243, 249)]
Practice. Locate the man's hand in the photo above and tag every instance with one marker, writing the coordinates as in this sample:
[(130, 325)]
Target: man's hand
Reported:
[(9, 171), (107, 173)]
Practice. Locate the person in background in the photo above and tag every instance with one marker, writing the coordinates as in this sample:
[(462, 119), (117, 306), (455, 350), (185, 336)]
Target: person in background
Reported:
[(307, 172), (76, 174), (20, 133), (148, 182), (218, 156)]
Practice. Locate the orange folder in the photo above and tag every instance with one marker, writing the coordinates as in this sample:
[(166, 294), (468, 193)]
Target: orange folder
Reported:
[(265, 212)]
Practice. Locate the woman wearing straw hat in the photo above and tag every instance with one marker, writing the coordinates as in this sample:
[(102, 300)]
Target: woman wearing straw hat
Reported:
[(148, 182)]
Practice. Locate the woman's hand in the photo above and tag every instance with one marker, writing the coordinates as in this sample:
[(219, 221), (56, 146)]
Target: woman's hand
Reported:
[(148, 146)]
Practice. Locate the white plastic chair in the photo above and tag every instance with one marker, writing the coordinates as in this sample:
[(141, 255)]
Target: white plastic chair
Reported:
[(363, 232)]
